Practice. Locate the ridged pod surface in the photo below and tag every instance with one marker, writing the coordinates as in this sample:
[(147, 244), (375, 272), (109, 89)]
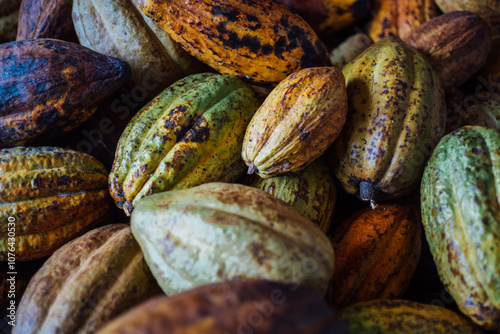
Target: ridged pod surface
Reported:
[(487, 9), (258, 39), (376, 253), (469, 110), (9, 16), (52, 195), (403, 317), (311, 191), (329, 16), (250, 306), (398, 17), (220, 232), (49, 87), (396, 117), (456, 45), (190, 134), (461, 217), (86, 283), (297, 122)]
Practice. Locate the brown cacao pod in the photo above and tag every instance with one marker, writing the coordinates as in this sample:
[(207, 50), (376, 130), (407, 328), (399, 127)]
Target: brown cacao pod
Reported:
[(258, 39), (249, 306), (376, 253), (50, 196), (86, 283), (46, 19), (9, 15), (489, 10), (49, 87), (456, 44)]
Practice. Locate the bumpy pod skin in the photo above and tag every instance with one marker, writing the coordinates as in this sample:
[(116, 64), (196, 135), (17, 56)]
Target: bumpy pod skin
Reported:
[(461, 217), (52, 196), (311, 191), (219, 232), (86, 283), (190, 134), (376, 253), (258, 39), (297, 122), (489, 10), (456, 45), (398, 17), (9, 16), (250, 306), (396, 117), (49, 87), (404, 316)]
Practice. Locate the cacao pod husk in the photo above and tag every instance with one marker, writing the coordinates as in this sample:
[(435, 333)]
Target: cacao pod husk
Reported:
[(488, 10), (349, 49)]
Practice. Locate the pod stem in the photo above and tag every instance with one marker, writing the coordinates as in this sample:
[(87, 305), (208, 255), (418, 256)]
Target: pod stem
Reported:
[(251, 169)]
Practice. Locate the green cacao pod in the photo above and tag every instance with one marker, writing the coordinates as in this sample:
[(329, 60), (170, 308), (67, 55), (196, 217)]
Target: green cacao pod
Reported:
[(190, 134), (9, 15), (461, 217), (403, 317), (311, 191), (86, 283), (49, 196), (49, 87), (250, 306), (396, 117), (218, 232)]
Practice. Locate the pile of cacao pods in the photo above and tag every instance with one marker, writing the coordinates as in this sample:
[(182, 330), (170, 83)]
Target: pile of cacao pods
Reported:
[(251, 166)]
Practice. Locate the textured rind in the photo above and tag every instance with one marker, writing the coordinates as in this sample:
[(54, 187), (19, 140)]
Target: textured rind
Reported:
[(218, 232), (297, 122), (46, 19), (250, 306), (329, 16), (310, 191), (258, 39), (469, 110), (50, 86), (52, 194), (349, 49), (461, 217), (398, 17), (9, 15), (86, 283), (404, 316), (456, 44), (190, 134), (489, 10), (396, 117), (376, 253)]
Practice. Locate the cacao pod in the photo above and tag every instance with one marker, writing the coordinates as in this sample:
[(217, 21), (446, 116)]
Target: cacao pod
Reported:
[(311, 191), (9, 15), (86, 283), (396, 117), (349, 49), (489, 10), (190, 134), (46, 19), (49, 87), (456, 45), (258, 39), (461, 217), (49, 196), (404, 316), (376, 253), (296, 123), (471, 110), (250, 306), (398, 17), (219, 232)]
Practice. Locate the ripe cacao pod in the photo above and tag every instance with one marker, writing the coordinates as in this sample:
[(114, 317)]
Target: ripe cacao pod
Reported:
[(404, 316), (398, 17), (489, 10), (250, 306), (376, 253), (49, 87), (190, 134), (296, 123), (456, 45), (219, 232), (258, 39), (49, 196), (471, 110), (86, 283), (349, 49), (396, 117), (461, 217), (46, 19), (9, 15), (311, 191)]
